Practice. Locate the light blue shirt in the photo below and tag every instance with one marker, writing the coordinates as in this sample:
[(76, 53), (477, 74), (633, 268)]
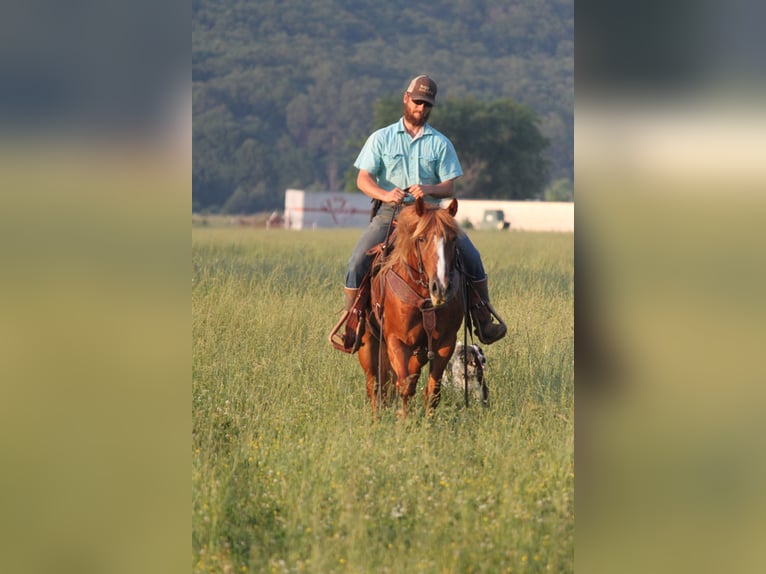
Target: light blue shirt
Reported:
[(395, 159)]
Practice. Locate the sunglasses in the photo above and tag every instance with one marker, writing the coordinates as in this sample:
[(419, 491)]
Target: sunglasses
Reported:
[(421, 103)]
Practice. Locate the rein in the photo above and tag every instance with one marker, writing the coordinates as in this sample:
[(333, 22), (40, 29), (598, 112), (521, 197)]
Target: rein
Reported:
[(381, 346), (466, 328), (421, 270)]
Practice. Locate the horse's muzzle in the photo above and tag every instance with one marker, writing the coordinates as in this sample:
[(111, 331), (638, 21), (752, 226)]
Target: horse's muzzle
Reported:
[(438, 292)]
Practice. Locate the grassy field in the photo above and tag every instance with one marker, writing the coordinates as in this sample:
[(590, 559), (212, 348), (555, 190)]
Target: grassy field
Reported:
[(291, 474)]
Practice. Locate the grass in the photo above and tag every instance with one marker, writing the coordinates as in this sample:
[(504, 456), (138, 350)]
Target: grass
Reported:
[(290, 473)]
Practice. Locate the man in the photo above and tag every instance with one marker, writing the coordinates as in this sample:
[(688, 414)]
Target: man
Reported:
[(404, 162)]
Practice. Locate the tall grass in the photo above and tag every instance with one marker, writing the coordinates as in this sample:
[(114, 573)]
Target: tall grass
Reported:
[(291, 474)]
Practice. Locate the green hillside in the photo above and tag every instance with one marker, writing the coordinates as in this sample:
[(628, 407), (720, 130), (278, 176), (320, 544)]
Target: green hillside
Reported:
[(285, 92)]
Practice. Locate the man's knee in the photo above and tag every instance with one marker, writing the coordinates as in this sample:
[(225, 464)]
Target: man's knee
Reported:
[(357, 269), (472, 265)]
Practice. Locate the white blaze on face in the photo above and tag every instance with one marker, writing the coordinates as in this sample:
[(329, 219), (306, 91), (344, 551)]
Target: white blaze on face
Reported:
[(441, 263)]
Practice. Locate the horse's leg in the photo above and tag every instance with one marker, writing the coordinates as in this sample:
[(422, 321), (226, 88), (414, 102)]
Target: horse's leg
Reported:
[(407, 370), (432, 392), (407, 389), (368, 358), (385, 384)]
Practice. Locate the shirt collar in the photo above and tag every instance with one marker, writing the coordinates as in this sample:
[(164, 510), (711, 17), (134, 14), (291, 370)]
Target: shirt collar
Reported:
[(426, 130)]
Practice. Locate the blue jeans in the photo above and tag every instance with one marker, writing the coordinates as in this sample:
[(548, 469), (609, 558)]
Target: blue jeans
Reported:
[(359, 262)]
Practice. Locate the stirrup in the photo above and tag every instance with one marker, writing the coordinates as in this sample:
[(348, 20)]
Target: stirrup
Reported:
[(353, 318), (477, 324), (350, 339)]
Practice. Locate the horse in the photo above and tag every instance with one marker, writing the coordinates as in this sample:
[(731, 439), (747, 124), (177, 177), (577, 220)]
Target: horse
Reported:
[(416, 304)]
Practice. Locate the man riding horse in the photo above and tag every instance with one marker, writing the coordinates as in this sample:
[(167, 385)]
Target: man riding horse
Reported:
[(399, 164)]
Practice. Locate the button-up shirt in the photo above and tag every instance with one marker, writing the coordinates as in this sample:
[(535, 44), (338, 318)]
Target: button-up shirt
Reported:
[(396, 159)]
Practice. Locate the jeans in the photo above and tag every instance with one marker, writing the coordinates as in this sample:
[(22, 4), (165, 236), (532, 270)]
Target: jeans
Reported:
[(359, 262)]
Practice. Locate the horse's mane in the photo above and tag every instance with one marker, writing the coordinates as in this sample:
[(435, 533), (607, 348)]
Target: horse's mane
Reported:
[(410, 225)]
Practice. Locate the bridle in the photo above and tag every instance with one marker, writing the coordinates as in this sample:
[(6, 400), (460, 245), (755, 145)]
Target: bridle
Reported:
[(423, 280)]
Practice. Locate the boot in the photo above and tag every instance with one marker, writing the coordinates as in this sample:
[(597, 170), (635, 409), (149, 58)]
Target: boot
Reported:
[(345, 336), (482, 313), (353, 321), (349, 297)]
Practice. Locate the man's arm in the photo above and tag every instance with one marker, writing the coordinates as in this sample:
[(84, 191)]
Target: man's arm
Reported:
[(439, 190), (369, 186)]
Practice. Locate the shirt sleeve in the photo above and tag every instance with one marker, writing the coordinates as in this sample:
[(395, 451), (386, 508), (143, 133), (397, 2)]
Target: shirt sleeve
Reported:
[(449, 166), (369, 158)]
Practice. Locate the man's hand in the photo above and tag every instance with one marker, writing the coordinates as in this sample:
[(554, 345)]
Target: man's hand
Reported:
[(417, 191), (396, 196)]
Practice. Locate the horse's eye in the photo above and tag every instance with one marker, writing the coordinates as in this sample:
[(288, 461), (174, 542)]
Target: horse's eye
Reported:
[(422, 239)]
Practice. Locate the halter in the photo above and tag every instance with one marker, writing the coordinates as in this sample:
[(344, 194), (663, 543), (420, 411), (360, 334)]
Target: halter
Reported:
[(422, 278), (420, 270)]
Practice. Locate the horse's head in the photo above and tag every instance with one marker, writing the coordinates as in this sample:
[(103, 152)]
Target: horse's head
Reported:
[(427, 236)]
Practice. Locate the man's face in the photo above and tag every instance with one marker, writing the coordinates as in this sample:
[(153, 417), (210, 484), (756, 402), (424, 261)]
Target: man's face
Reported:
[(416, 111)]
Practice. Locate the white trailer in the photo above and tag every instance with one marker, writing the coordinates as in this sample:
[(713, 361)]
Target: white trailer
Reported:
[(318, 209), (322, 209)]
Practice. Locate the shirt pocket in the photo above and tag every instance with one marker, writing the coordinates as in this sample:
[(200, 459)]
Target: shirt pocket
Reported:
[(428, 168), (394, 165)]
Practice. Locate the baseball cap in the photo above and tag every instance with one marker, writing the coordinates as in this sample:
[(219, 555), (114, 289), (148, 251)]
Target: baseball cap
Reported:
[(422, 88)]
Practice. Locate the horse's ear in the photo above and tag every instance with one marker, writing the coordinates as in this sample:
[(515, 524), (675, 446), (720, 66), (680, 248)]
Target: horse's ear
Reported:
[(420, 206), (452, 207)]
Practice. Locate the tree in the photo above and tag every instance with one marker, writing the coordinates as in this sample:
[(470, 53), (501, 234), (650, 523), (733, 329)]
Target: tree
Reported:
[(501, 146), (321, 120), (283, 92), (560, 190)]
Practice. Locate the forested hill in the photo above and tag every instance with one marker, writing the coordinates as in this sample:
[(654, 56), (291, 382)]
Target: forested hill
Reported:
[(285, 90)]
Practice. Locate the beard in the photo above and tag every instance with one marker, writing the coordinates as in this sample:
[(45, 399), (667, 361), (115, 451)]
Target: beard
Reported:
[(416, 119)]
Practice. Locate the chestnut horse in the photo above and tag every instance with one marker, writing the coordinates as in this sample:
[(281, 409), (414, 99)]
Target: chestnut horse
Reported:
[(417, 306)]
